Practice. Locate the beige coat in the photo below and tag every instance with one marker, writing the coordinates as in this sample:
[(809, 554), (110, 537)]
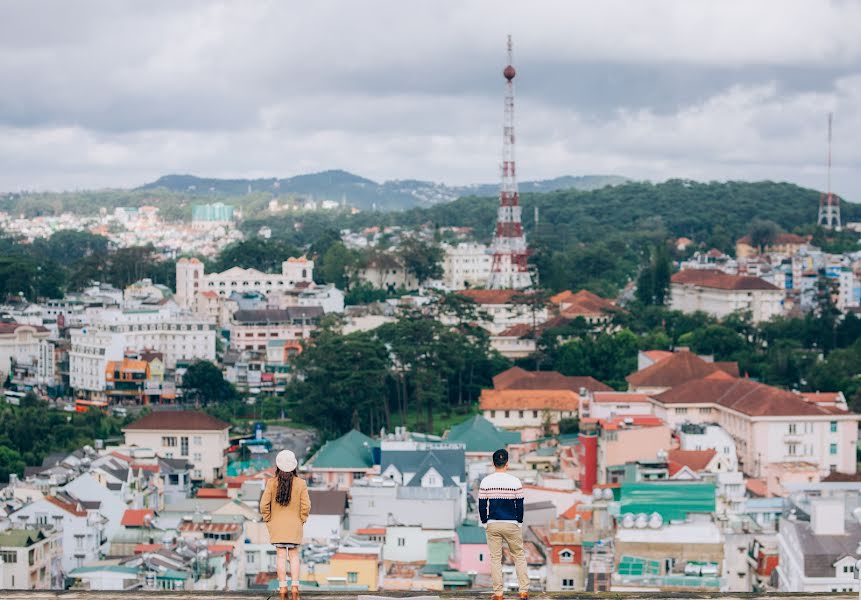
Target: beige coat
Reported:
[(285, 522)]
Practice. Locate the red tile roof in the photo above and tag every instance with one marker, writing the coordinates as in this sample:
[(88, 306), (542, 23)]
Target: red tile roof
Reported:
[(490, 296), (619, 397), (351, 556), (141, 548), (177, 420), (7, 328), (695, 460), (780, 239), (757, 487), (137, 517), (519, 330), (622, 422), (745, 396), (822, 397), (66, 506), (583, 304), (682, 366), (516, 378), (529, 400), (714, 279), (657, 355), (212, 493), (371, 531)]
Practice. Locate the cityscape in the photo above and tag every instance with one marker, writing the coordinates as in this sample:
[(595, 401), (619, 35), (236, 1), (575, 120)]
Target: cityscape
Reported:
[(669, 365)]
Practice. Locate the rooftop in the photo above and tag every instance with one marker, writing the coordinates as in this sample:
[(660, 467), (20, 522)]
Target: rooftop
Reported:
[(712, 278), (521, 379), (674, 370), (177, 420)]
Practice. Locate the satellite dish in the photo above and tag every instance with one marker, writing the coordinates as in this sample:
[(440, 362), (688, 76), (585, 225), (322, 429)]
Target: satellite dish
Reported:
[(655, 520), (641, 521), (628, 521)]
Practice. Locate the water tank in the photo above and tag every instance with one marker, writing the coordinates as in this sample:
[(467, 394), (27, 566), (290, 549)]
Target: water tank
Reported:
[(596, 494), (628, 520), (655, 520), (608, 493), (641, 521)]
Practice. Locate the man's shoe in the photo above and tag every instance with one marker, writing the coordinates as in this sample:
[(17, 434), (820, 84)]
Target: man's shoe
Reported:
[(524, 595), (496, 597)]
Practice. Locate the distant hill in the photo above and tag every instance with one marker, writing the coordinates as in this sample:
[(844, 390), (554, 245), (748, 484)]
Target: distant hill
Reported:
[(364, 193)]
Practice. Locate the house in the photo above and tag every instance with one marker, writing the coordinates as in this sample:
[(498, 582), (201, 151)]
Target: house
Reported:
[(585, 305), (81, 529), (19, 343), (107, 577), (534, 413), (516, 378), (561, 543), (342, 461), (608, 405), (721, 294), (786, 244), (470, 549), (30, 559), (357, 570), (669, 371), (199, 438), (624, 440), (466, 265), (504, 309), (328, 509), (481, 439), (409, 543), (378, 502), (819, 555), (90, 492), (768, 424)]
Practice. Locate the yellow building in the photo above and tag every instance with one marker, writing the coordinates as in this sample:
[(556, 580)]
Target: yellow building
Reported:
[(350, 569)]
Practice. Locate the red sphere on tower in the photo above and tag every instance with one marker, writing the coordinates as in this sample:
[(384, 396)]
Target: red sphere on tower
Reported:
[(509, 72)]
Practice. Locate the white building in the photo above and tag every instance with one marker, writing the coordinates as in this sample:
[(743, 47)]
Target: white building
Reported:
[(19, 343), (179, 336), (197, 437), (503, 309), (819, 555), (255, 329), (82, 530), (466, 265), (719, 294), (192, 279), (29, 559), (709, 437)]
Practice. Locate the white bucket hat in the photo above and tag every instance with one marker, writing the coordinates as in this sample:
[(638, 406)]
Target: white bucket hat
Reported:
[(286, 461)]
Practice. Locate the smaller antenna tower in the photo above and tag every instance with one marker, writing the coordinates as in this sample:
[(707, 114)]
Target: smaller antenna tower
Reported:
[(829, 204)]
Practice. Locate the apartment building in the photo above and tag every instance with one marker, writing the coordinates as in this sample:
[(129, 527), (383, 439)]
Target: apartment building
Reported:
[(720, 294), (30, 559), (19, 344)]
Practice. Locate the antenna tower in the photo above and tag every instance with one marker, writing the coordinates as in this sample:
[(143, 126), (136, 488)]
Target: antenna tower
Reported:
[(510, 253), (829, 204)]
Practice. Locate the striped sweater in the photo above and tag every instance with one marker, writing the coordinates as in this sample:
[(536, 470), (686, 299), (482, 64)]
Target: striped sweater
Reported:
[(500, 498)]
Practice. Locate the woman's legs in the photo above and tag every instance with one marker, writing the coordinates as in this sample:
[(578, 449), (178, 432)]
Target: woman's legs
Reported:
[(281, 566), (294, 566)]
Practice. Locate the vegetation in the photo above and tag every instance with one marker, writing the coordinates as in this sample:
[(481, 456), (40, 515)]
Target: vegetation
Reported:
[(203, 383)]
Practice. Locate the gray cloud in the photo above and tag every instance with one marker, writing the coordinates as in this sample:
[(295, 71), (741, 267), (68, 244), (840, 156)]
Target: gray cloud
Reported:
[(112, 92)]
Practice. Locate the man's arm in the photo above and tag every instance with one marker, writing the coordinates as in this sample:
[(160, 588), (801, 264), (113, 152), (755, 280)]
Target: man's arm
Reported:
[(482, 505), (518, 503)]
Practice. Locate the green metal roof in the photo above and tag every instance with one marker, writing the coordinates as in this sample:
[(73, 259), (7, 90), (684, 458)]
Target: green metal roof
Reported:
[(455, 578), (104, 568), (350, 451), (470, 533), (20, 538), (172, 574), (480, 435), (672, 500), (439, 553)]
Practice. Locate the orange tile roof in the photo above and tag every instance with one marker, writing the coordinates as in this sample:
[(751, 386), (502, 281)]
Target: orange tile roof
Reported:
[(682, 366), (212, 493), (714, 279), (757, 487), (619, 397), (66, 506), (781, 239), (137, 517), (350, 556), (821, 397), (622, 422), (745, 396), (529, 400), (657, 355), (141, 548), (696, 460), (519, 330), (220, 548), (583, 303), (371, 531), (521, 379), (490, 296), (572, 512)]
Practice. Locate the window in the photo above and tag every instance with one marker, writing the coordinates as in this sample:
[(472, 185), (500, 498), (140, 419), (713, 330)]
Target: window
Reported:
[(833, 426), (705, 410), (506, 414), (183, 448), (197, 457), (493, 414), (793, 428), (791, 448), (198, 474), (681, 411), (832, 449), (521, 414), (567, 584), (197, 440), (534, 414), (41, 519), (566, 555), (352, 577), (79, 542), (168, 441), (481, 557), (250, 558), (8, 557), (402, 541)]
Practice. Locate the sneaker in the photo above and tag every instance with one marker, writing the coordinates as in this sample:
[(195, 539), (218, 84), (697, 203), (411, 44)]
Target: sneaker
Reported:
[(524, 595)]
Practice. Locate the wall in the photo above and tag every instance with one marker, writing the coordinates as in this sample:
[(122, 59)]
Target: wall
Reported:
[(205, 449)]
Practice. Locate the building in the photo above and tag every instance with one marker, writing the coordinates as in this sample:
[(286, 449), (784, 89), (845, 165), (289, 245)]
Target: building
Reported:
[(470, 549), (785, 244), (720, 294), (206, 216), (386, 272), (624, 440), (769, 425), (191, 279), (562, 543), (516, 378), (504, 309), (659, 373), (380, 502), (584, 304), (819, 554), (480, 439), (200, 439), (19, 344), (326, 521), (534, 413), (30, 559), (256, 329), (341, 462), (466, 265), (609, 405)]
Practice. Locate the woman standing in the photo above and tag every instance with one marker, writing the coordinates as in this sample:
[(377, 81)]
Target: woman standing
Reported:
[(285, 506)]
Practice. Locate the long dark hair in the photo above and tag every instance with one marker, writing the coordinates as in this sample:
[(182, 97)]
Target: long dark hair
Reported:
[(284, 481)]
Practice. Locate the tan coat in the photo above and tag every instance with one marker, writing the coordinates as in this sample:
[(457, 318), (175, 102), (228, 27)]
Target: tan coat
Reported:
[(285, 522)]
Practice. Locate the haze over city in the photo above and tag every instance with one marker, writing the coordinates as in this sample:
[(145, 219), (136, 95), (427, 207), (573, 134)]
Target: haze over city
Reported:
[(118, 93)]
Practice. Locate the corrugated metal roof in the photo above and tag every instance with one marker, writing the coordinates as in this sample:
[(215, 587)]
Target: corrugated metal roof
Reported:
[(672, 500)]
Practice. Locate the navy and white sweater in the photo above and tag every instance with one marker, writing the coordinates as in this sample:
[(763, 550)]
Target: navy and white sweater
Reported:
[(500, 498)]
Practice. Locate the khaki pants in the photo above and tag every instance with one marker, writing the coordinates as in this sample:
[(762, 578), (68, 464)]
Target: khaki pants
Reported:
[(512, 534)]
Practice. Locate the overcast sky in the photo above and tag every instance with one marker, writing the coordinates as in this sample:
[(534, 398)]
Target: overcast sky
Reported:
[(117, 93)]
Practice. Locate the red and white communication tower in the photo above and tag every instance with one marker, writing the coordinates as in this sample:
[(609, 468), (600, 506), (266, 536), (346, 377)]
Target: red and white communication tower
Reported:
[(829, 204), (510, 253)]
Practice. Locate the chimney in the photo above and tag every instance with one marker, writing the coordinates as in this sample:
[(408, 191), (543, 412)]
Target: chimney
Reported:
[(827, 516)]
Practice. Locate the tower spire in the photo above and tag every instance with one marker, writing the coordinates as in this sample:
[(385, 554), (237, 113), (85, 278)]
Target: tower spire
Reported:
[(510, 253), (829, 204)]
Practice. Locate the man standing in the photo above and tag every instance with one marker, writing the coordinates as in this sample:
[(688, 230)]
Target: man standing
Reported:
[(500, 506)]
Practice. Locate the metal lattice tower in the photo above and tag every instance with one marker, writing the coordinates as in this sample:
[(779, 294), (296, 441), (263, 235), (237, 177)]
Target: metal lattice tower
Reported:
[(510, 253), (829, 204)]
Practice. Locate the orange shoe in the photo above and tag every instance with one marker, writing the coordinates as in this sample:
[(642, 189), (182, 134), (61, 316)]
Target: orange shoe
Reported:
[(524, 595), (496, 597)]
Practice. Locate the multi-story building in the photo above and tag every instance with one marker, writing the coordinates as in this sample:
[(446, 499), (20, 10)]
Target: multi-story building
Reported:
[(30, 559), (376, 502), (178, 336), (207, 216), (660, 371), (466, 265), (200, 439), (623, 440), (504, 309), (769, 425), (191, 279), (256, 329), (720, 294), (19, 344)]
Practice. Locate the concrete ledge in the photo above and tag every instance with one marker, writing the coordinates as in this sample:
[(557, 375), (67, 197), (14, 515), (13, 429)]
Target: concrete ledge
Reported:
[(478, 595)]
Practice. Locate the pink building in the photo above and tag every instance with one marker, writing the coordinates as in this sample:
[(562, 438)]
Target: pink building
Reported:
[(628, 439), (470, 550)]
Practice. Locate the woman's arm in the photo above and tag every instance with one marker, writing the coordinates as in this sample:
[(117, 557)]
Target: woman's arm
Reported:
[(304, 504), (266, 502)]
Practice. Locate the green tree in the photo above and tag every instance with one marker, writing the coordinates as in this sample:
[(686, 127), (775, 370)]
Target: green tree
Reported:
[(337, 264), (421, 259), (204, 383), (762, 233)]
